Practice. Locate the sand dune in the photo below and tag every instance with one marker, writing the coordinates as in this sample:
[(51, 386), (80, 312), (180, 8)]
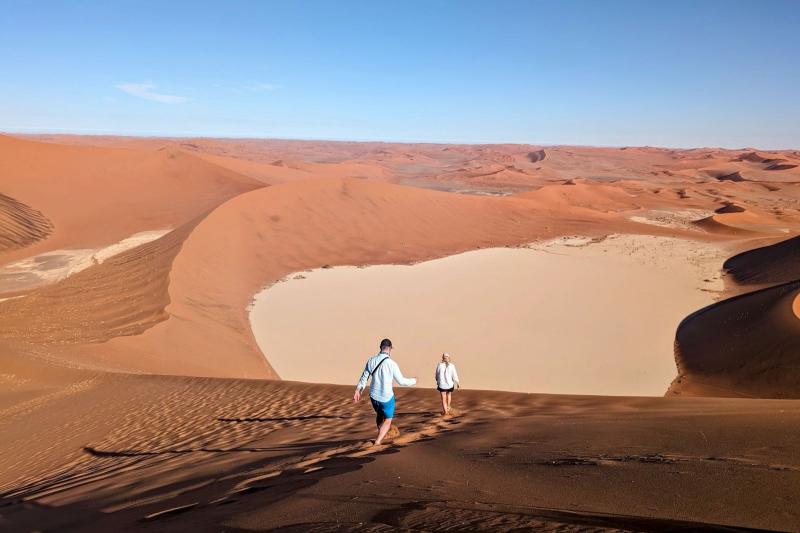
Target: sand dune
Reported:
[(781, 166), (206, 279), (268, 173), (595, 196), (292, 227), (776, 263), (542, 336), (436, 165), (768, 163), (122, 452), (56, 265), (744, 346), (713, 224), (733, 176), (740, 221), (730, 207), (90, 443), (124, 295), (118, 192), (20, 224), (747, 345)]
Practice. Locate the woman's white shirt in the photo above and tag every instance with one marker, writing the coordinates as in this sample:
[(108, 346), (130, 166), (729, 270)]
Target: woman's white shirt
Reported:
[(446, 375)]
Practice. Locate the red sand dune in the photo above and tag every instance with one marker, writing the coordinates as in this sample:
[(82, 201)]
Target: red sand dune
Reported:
[(594, 196), (88, 446), (100, 195), (293, 227), (20, 224), (193, 285), (747, 346), (776, 263), (730, 207)]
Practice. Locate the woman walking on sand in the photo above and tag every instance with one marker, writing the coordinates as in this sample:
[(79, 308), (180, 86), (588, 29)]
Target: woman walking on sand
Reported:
[(446, 381)]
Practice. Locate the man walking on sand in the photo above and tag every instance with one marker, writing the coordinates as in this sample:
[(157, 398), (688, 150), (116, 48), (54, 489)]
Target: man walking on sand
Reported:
[(383, 371)]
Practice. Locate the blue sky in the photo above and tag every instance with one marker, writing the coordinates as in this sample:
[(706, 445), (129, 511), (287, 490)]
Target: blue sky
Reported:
[(678, 73)]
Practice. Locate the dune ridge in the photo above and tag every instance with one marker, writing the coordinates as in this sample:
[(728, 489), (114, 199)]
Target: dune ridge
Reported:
[(202, 280), (292, 227), (20, 224), (121, 191), (94, 439), (205, 279), (746, 346), (126, 452), (95, 292), (775, 263)]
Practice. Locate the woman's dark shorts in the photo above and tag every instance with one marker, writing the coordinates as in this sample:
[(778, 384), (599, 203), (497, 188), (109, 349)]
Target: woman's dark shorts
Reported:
[(445, 390)]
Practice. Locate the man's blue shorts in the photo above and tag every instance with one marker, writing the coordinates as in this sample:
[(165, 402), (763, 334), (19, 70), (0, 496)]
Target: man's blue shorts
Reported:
[(383, 410)]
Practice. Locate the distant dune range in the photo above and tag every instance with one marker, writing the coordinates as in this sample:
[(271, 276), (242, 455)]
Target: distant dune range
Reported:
[(173, 305), (87, 444)]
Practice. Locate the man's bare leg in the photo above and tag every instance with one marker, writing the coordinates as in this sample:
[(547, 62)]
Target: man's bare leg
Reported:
[(383, 430), (449, 400), (444, 402)]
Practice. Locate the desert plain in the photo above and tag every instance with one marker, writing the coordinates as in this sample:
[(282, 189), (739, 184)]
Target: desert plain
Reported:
[(182, 322)]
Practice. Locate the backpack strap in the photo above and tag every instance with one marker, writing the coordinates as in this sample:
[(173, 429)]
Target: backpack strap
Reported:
[(378, 365)]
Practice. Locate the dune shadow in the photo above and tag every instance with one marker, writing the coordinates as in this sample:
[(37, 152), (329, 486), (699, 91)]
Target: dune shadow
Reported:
[(285, 418)]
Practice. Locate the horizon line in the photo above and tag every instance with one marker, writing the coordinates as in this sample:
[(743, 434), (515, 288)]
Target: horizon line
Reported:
[(139, 135)]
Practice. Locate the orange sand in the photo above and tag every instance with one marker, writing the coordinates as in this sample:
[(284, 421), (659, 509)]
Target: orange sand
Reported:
[(124, 389)]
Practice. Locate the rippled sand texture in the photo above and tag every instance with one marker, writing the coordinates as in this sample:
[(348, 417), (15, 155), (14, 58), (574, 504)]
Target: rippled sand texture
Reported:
[(133, 393)]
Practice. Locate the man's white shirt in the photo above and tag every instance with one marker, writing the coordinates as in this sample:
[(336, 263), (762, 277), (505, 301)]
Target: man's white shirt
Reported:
[(381, 387)]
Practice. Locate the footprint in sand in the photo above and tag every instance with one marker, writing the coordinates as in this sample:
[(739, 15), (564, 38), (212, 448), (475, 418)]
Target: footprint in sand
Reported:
[(311, 463)]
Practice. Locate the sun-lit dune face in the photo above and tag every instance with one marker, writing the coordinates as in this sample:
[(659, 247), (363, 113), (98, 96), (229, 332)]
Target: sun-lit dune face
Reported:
[(114, 192), (106, 297), (56, 265), (249, 212)]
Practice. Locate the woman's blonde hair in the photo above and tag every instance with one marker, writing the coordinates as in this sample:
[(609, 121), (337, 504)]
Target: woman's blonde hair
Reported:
[(446, 358)]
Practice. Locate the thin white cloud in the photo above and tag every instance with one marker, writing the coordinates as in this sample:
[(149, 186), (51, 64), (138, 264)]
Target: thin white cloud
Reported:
[(145, 90), (257, 87)]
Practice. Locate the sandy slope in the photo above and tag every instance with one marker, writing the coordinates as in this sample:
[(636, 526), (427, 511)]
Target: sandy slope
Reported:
[(114, 192), (20, 224), (776, 263), (259, 237), (748, 345), (165, 453), (753, 350), (207, 273), (84, 449)]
